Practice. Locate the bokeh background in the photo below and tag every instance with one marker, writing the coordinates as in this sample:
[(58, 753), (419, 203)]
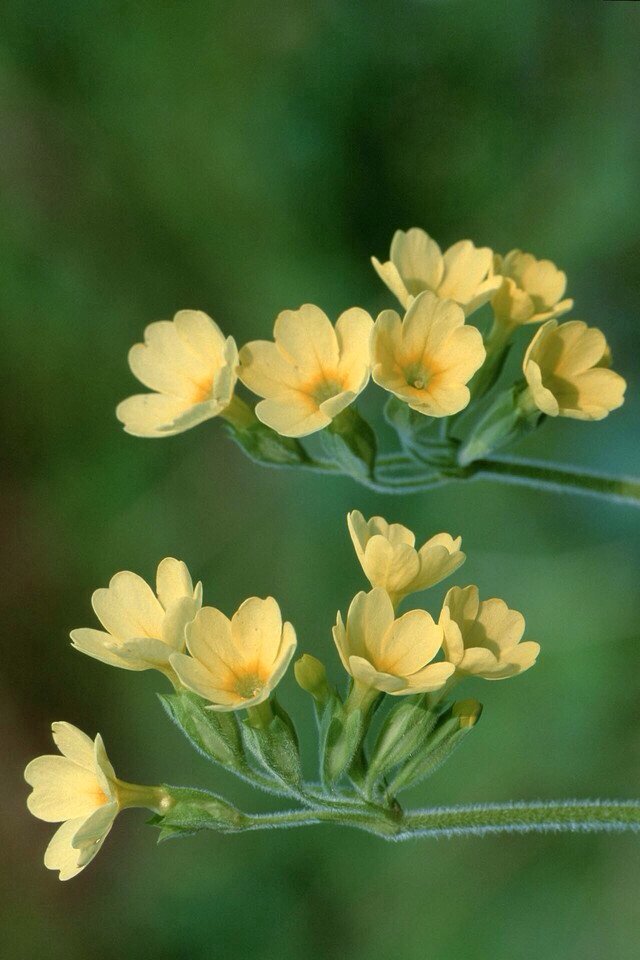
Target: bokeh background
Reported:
[(242, 158)]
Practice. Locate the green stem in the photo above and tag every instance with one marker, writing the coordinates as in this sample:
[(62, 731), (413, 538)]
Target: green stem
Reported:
[(477, 820), (559, 816), (550, 477)]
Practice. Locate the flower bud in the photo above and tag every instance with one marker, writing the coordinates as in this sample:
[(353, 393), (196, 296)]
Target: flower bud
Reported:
[(311, 675)]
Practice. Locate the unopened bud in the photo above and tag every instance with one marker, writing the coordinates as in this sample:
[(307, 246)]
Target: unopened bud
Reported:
[(468, 712), (312, 677)]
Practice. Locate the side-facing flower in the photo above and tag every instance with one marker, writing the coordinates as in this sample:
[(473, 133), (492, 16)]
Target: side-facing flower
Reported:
[(464, 273), (388, 556), (483, 638), (427, 358), (142, 629), (393, 656), (531, 291), (312, 372), (192, 368), (236, 663), (566, 367)]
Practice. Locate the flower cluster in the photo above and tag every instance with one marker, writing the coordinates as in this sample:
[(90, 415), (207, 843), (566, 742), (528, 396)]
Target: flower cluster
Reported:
[(429, 358), (222, 669)]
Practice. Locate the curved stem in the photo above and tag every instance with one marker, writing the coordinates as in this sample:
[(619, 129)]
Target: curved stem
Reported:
[(559, 478)]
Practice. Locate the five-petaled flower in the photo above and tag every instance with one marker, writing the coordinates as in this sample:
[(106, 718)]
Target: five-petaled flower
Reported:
[(388, 556), (464, 273), (427, 358), (482, 638), (77, 789), (531, 291), (389, 655), (312, 372), (192, 368), (142, 629), (236, 663), (566, 367)]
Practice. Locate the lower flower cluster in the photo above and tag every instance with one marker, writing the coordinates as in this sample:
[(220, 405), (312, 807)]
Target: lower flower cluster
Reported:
[(224, 672)]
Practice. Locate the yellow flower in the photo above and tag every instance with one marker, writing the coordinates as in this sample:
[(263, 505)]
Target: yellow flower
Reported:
[(77, 789), (390, 655), (142, 629), (312, 372), (236, 663), (483, 638), (464, 273), (531, 291), (190, 365), (387, 554), (428, 358), (80, 790), (566, 369)]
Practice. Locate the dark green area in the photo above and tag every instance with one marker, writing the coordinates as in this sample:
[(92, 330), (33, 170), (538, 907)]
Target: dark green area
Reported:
[(243, 158)]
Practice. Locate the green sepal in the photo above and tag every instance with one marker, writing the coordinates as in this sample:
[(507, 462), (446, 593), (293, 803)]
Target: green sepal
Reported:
[(351, 443), (264, 445), (340, 737), (192, 810), (504, 422), (404, 731), (214, 734), (452, 727), (275, 745), (420, 436)]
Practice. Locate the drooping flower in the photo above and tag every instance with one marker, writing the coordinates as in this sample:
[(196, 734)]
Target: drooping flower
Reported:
[(483, 638), (393, 656), (80, 790), (566, 367), (388, 556), (236, 663), (77, 789), (142, 629), (531, 291), (312, 372), (427, 358), (192, 368), (464, 273)]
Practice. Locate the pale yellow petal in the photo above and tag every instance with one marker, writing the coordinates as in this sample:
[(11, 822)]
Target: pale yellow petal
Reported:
[(408, 645), (60, 854), (73, 744), (173, 581), (177, 616), (392, 567), (101, 646), (256, 630), (308, 339), (370, 616), (431, 678), (266, 371), (389, 275), (418, 260), (366, 674), (202, 335), (293, 414), (465, 268), (62, 790), (210, 642), (94, 828), (129, 607), (353, 330), (197, 678), (152, 414)]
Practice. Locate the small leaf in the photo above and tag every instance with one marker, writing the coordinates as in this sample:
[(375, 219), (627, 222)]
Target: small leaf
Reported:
[(215, 735)]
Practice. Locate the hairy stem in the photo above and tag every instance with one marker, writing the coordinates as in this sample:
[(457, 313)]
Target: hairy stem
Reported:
[(478, 820), (558, 478)]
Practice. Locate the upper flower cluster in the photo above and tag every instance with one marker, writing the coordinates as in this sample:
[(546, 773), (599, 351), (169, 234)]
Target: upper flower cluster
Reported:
[(429, 357)]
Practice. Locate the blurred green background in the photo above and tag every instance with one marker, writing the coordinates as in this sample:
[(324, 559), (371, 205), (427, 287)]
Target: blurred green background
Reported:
[(243, 158)]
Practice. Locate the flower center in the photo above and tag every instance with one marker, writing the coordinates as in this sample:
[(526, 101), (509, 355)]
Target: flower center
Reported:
[(416, 376), (325, 390), (202, 391), (249, 686)]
